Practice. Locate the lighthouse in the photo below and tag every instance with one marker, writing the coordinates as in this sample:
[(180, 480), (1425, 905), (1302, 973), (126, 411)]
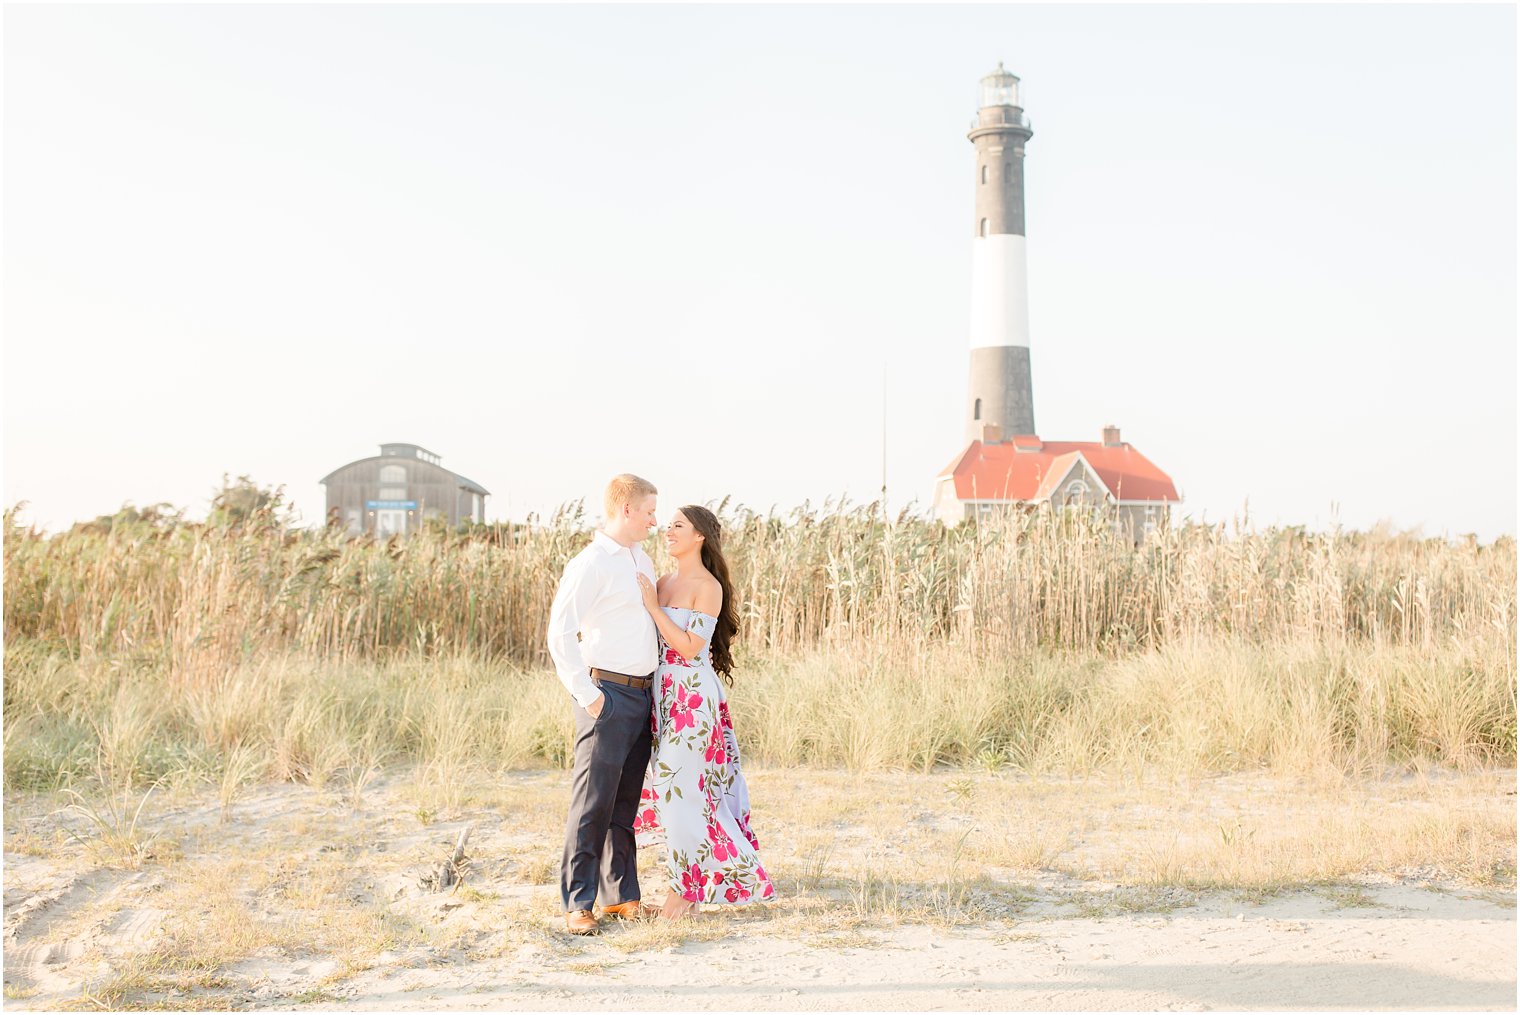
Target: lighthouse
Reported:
[(1000, 402), (1003, 463)]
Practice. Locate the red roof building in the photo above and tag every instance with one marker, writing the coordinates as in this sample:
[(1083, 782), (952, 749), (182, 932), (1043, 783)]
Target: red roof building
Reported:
[(992, 474)]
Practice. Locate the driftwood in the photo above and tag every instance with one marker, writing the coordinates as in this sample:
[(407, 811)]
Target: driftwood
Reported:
[(450, 874)]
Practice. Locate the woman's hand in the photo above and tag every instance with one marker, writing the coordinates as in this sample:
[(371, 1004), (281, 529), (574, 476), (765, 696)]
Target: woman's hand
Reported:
[(651, 596)]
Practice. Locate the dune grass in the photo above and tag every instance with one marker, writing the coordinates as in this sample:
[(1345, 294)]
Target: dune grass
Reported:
[(1188, 708), (155, 650)]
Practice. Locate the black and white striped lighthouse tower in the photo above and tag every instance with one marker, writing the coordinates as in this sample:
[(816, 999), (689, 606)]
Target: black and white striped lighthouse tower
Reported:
[(1001, 393)]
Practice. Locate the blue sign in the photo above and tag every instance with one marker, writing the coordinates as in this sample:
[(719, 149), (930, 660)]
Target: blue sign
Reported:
[(382, 505)]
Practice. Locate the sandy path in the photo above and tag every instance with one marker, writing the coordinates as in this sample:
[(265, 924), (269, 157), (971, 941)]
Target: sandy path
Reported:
[(1417, 950), (302, 901)]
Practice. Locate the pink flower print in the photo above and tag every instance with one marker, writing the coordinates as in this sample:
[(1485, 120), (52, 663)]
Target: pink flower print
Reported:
[(675, 658), (648, 794), (666, 684), (717, 753), (744, 827), (769, 891), (647, 822), (727, 722), (718, 878), (736, 893), (693, 881), (681, 710), (723, 846)]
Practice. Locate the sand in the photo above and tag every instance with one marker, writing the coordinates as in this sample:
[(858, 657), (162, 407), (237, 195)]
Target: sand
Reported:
[(303, 900), (1425, 950)]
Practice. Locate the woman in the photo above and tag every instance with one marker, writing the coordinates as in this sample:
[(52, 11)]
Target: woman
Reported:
[(694, 790)]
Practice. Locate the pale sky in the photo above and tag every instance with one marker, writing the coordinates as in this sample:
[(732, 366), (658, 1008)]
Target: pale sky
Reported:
[(1275, 244)]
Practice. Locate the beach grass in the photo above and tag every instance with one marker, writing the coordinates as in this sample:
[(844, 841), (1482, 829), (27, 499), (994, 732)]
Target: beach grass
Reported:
[(143, 652)]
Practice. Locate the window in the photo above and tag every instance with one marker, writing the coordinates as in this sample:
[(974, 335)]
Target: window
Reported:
[(1076, 490), (982, 229), (976, 409), (390, 523), (392, 493), (984, 174), (393, 474)]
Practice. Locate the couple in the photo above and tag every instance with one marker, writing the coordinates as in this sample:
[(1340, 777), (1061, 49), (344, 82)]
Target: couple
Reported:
[(652, 732)]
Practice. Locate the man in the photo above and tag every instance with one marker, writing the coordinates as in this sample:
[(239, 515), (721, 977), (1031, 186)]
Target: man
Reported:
[(609, 672)]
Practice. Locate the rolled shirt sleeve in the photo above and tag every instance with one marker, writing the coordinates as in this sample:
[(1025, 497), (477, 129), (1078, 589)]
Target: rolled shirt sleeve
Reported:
[(577, 592)]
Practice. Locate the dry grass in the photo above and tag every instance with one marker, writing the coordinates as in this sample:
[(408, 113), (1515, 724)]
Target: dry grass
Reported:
[(1185, 709), (110, 824), (1044, 642), (202, 598), (1213, 833)]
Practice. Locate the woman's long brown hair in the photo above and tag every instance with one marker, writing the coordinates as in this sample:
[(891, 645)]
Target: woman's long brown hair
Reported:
[(706, 524)]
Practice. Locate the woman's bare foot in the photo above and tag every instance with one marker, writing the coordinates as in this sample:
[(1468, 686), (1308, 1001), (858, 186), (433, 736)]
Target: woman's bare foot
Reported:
[(676, 908)]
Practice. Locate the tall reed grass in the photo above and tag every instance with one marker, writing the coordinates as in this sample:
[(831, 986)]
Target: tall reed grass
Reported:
[(1046, 641), (202, 597)]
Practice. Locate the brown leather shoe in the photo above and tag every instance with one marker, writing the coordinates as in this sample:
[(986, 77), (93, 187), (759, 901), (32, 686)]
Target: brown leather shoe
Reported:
[(634, 910), (581, 921)]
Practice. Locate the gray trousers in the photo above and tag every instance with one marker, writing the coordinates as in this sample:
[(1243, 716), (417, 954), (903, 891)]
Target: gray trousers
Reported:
[(611, 752)]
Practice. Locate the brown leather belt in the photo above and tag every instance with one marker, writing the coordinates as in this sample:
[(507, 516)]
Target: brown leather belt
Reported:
[(622, 678)]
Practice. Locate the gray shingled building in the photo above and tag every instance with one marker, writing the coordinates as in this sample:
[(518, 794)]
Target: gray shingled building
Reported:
[(395, 491)]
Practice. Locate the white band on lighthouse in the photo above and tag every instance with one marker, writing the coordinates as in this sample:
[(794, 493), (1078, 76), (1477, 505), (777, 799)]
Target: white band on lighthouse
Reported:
[(999, 291)]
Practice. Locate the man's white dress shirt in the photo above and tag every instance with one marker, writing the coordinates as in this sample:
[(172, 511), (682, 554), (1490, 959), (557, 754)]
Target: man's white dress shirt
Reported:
[(599, 599)]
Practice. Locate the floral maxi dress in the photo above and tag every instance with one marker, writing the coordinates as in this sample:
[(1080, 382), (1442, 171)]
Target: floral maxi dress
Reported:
[(694, 792)]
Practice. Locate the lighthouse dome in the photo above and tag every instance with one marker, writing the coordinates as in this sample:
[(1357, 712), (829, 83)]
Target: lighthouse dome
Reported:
[(1000, 88)]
